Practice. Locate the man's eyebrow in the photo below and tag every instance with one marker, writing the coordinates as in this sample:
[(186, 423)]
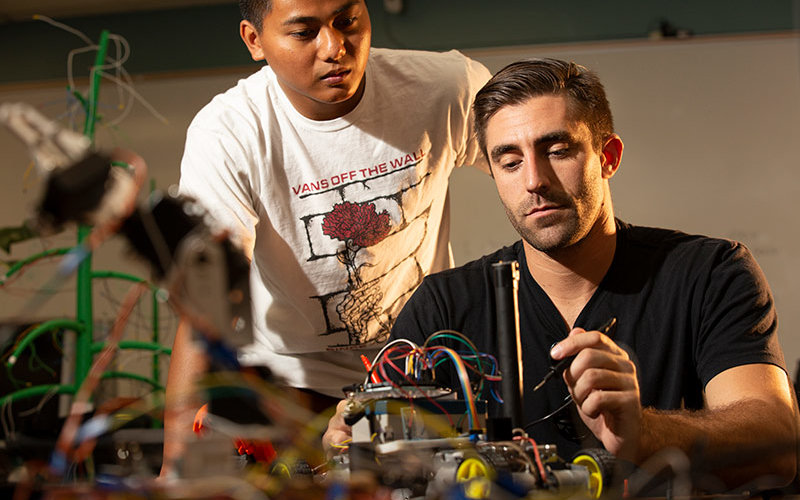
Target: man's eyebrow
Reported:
[(557, 136), (502, 149), (345, 7), (312, 19)]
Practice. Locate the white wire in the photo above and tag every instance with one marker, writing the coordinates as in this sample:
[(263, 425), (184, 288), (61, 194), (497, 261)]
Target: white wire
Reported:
[(64, 27), (380, 353), (123, 48), (123, 52), (36, 409), (122, 78), (138, 97), (70, 55)]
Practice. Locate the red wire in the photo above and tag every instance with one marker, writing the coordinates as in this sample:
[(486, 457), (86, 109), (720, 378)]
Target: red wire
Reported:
[(410, 381), (536, 456)]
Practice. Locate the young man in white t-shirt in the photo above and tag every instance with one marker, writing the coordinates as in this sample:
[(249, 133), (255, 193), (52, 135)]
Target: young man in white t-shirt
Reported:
[(330, 165)]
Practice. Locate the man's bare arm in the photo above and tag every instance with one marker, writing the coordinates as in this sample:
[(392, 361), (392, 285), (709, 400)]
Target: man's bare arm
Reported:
[(185, 367), (747, 430)]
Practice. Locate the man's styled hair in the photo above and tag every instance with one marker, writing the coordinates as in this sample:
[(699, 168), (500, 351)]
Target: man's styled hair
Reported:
[(254, 11), (522, 80)]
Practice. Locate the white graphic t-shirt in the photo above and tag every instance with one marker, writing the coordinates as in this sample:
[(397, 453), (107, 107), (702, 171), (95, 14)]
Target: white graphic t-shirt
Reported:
[(342, 218)]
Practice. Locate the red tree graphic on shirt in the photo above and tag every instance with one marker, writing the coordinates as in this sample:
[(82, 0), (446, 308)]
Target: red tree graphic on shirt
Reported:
[(358, 226), (361, 224)]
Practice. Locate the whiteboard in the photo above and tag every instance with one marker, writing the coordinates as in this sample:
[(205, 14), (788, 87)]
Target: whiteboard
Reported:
[(710, 126)]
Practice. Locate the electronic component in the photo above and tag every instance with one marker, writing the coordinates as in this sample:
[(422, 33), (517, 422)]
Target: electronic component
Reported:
[(427, 441)]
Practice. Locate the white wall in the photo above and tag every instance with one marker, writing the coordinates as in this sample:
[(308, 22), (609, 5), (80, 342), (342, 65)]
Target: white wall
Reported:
[(710, 130)]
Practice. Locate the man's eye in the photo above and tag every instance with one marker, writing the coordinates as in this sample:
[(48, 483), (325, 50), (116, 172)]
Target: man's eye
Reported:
[(345, 22), (511, 164), (303, 34), (558, 153)]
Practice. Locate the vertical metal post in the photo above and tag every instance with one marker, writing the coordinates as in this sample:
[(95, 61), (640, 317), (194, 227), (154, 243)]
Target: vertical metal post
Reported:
[(506, 285)]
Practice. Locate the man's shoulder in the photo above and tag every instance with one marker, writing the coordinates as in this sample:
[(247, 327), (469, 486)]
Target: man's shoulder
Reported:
[(671, 238), (476, 270), (241, 110), (409, 56), (451, 67), (458, 298), (249, 94), (682, 248)]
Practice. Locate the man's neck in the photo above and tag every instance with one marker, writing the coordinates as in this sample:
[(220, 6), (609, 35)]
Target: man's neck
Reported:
[(571, 275), (321, 111)]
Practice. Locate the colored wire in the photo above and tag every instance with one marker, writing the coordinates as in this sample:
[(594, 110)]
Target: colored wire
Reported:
[(455, 335), (536, 456), (464, 381), (409, 380), (383, 349), (474, 354)]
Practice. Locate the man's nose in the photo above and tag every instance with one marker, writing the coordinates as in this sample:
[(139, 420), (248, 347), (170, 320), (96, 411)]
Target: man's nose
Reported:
[(535, 175), (332, 44)]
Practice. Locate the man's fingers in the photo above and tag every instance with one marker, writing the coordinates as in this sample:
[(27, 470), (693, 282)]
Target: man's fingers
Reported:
[(590, 358), (335, 437), (578, 340), (608, 402), (599, 379), (338, 432)]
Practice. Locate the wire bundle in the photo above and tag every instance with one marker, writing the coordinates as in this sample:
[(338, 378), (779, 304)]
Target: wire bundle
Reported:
[(421, 362)]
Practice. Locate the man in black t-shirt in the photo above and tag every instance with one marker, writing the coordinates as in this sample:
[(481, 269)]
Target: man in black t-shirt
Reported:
[(694, 362)]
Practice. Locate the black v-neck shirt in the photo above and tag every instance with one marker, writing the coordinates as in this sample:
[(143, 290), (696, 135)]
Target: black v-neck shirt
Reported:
[(688, 307)]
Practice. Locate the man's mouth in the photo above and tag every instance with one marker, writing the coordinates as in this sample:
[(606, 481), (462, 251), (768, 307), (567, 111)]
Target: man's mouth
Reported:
[(335, 76), (542, 209)]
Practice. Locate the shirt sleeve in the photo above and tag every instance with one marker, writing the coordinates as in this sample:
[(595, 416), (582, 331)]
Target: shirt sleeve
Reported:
[(470, 154), (738, 324), (214, 171)]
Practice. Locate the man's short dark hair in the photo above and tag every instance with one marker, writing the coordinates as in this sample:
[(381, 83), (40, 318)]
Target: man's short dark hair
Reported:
[(254, 11), (522, 80)]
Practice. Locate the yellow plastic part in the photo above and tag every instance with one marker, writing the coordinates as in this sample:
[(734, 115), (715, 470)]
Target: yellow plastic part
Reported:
[(595, 474), (476, 474), (280, 469)]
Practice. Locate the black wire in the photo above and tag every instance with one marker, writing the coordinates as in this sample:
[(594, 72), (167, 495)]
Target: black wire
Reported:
[(567, 402)]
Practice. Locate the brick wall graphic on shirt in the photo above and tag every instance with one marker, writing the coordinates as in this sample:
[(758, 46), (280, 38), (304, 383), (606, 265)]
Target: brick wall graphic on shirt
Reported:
[(368, 212)]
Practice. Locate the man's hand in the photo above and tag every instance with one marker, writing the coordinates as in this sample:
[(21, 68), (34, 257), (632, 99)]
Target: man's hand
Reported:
[(338, 432), (602, 381)]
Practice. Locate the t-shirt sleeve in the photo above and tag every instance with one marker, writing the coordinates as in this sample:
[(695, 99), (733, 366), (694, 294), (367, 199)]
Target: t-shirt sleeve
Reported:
[(470, 154), (738, 323), (213, 171)]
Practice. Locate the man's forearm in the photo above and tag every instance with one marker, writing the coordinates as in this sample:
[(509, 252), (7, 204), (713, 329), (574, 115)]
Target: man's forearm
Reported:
[(186, 366), (738, 443)]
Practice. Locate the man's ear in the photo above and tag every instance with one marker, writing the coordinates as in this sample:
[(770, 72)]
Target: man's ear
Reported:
[(250, 37), (611, 156)]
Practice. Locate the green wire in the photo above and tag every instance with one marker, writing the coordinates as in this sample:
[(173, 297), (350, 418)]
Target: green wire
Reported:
[(454, 335), (14, 380), (34, 359)]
